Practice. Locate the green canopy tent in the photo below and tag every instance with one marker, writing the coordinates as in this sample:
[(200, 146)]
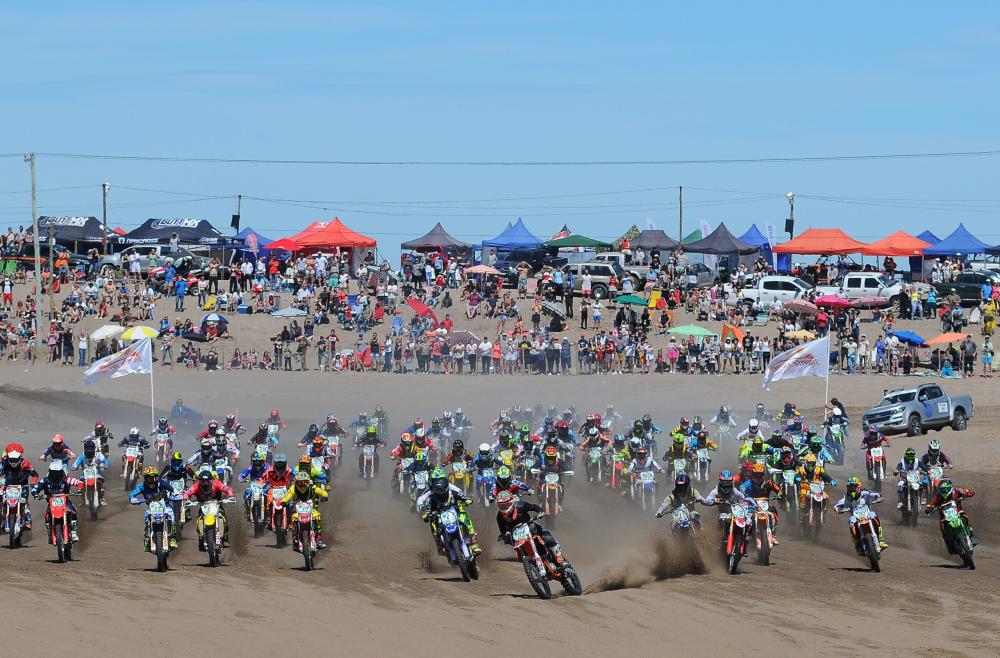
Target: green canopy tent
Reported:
[(571, 241), (694, 236)]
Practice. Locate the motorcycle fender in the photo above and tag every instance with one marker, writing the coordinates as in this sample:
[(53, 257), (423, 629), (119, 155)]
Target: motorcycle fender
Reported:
[(209, 521)]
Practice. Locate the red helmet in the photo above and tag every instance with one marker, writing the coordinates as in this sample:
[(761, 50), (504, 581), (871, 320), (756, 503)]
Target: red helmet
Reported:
[(98, 427), (274, 413), (505, 502), (562, 425), (551, 451), (58, 440), (417, 423), (597, 418)]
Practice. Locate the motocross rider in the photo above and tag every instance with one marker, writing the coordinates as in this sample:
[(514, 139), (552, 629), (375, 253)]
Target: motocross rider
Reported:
[(305, 465), (16, 470), (856, 496), (934, 456), (810, 472), (255, 471), (512, 512), (440, 495), (505, 481), (132, 439), (304, 490), (682, 494), (948, 492), (209, 431), (761, 486), (908, 464), (153, 488), (370, 438), (751, 432), (204, 489), (164, 427), (724, 417), (102, 435), (57, 482), (58, 451), (91, 458), (643, 461)]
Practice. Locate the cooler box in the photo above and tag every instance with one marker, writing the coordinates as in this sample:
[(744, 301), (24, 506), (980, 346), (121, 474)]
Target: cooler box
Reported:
[(245, 309)]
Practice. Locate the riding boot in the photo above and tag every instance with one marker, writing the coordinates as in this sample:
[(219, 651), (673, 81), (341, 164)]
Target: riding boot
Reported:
[(474, 544), (319, 541), (72, 531)]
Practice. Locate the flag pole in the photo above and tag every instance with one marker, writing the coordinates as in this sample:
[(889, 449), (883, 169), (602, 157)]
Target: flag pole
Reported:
[(152, 399)]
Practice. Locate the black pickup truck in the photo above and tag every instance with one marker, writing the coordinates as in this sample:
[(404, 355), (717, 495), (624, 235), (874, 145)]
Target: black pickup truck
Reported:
[(968, 286)]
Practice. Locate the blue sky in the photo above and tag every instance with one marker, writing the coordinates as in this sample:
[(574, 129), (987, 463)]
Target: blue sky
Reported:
[(477, 81)]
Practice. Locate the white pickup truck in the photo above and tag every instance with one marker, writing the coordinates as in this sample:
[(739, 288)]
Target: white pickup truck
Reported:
[(769, 288), (855, 285)]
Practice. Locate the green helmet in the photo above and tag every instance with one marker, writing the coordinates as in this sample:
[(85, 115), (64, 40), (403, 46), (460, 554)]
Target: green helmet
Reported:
[(437, 474), (372, 428), (526, 429), (910, 455), (945, 488), (420, 456)]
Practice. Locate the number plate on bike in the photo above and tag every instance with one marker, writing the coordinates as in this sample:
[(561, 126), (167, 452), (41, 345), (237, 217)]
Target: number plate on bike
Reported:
[(521, 532), (551, 478), (646, 477)]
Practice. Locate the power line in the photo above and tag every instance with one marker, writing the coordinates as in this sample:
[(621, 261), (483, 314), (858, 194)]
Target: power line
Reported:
[(526, 163)]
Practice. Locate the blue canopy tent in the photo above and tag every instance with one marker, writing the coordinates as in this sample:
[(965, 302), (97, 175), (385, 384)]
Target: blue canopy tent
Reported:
[(959, 242), (514, 237), (754, 237), (917, 262), (254, 244), (928, 236)]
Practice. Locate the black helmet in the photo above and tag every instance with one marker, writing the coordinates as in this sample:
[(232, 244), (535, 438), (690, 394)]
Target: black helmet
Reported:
[(457, 446), (439, 486), (89, 449), (313, 429), (647, 420), (682, 484)]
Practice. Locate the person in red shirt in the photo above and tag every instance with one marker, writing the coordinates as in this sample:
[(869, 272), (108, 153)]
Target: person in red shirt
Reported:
[(207, 488), (448, 324)]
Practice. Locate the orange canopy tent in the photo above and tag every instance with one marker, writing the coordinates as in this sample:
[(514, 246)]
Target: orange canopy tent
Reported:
[(899, 243), (821, 242), (331, 234)]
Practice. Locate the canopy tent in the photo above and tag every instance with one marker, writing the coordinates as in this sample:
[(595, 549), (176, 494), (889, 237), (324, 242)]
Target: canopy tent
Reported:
[(189, 231), (693, 236), (720, 242), (516, 236), (959, 242), (654, 239), (118, 230), (71, 229), (994, 251), (435, 239), (576, 241), (307, 231), (564, 232), (820, 242), (899, 243), (928, 236), (754, 237), (333, 234), (284, 244), (254, 242)]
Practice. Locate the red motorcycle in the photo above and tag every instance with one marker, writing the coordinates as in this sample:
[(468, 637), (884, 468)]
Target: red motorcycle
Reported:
[(735, 526), (15, 509), (875, 461), (540, 566), (131, 466), (278, 513), (59, 527)]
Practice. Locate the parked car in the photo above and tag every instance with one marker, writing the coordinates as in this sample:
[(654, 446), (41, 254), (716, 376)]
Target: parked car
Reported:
[(968, 286), (600, 277), (769, 288), (184, 261), (915, 410), (638, 272)]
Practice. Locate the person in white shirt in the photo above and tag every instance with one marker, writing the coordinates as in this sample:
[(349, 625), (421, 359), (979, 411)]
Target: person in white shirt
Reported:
[(485, 355)]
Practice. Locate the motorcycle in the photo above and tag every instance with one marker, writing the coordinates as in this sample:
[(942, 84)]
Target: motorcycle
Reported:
[(763, 532), (876, 467), (910, 511), (789, 489), (133, 466), (159, 535), (816, 515), (15, 512), (322, 464), (524, 467), (553, 493), (676, 467), (868, 534), (617, 468), (162, 448), (176, 498), (459, 475), (956, 534), (539, 566), (400, 478), (258, 511), (333, 446), (59, 527), (683, 525), (735, 526), (273, 429), (224, 470), (278, 513), (484, 486), (305, 533), (233, 441), (421, 483), (91, 496), (934, 476), (644, 490), (454, 545), (835, 443), (704, 464), (212, 527), (595, 465), (507, 457), (368, 464)]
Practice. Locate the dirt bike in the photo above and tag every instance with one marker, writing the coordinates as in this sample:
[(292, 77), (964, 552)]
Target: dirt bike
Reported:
[(552, 492), (910, 511), (159, 533), (934, 476), (815, 516), (333, 446), (133, 466), (704, 464), (401, 479), (258, 511), (59, 527), (644, 490), (15, 514), (421, 483), (278, 513), (789, 489), (684, 525), (91, 495), (617, 468), (735, 526), (453, 543), (957, 537), (595, 465), (763, 532), (867, 534), (539, 566), (211, 527), (273, 430), (224, 470), (485, 482), (305, 533), (176, 498), (368, 464), (459, 474), (876, 467), (162, 448), (835, 443), (676, 467), (322, 465)]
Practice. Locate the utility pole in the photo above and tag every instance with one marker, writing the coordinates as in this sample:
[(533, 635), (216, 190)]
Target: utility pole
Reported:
[(790, 224), (51, 232), (104, 242), (30, 159), (680, 212)]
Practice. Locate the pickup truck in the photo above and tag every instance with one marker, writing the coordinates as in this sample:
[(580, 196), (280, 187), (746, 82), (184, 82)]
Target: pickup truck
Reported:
[(185, 261), (769, 288), (855, 285), (968, 285), (536, 258), (638, 272), (915, 410)]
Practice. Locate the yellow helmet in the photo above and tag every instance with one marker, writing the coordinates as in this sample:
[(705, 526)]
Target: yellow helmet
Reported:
[(302, 480)]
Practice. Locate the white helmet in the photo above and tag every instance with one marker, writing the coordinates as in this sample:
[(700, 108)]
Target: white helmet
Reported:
[(56, 466), (484, 447), (837, 411), (754, 424)]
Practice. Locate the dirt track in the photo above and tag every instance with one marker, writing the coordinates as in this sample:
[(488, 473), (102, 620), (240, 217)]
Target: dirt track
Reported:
[(376, 595)]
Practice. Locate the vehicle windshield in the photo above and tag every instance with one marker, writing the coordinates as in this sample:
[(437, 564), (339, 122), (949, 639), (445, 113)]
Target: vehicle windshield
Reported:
[(886, 282), (896, 398), (801, 284)]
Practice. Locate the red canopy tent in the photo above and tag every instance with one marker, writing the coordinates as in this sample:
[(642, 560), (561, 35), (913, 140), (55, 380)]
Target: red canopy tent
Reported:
[(899, 243), (327, 235), (821, 242)]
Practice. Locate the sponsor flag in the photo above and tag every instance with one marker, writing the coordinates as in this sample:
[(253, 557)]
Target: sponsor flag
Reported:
[(135, 359), (811, 359)]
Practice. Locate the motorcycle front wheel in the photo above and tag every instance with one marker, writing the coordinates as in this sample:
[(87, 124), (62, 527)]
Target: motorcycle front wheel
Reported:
[(538, 581)]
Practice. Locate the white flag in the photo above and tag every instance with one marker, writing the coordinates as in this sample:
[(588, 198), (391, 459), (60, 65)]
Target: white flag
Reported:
[(135, 359), (809, 360), (705, 230)]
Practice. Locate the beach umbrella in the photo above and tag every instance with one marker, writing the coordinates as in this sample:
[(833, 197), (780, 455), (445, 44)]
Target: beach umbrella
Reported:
[(943, 339), (801, 306), (909, 338), (833, 301), (106, 331), (290, 312), (214, 317), (421, 309), (691, 330), (870, 301), (461, 336), (481, 269), (634, 300), (141, 331), (735, 332), (801, 334), (554, 309)]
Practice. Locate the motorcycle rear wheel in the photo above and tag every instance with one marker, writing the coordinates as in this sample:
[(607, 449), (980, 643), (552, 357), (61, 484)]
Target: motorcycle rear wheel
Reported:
[(538, 582)]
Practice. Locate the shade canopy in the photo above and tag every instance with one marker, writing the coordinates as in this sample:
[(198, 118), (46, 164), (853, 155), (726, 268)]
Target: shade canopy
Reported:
[(909, 338), (576, 241), (654, 238), (721, 242), (332, 234), (71, 229), (691, 330), (436, 238), (960, 241), (189, 231), (254, 242), (899, 243), (821, 242), (928, 236), (284, 244), (514, 237), (631, 300), (693, 236)]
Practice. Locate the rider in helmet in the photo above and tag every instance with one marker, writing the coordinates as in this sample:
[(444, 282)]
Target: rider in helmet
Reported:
[(934, 456), (58, 450), (91, 458), (207, 488), (305, 490), (261, 436), (756, 450), (751, 432), (759, 485), (856, 496), (16, 470), (224, 447), (253, 472), (485, 458), (441, 495), (778, 441), (512, 512), (332, 428), (153, 488), (135, 440), (908, 464), (724, 417), (810, 472), (209, 431), (505, 481), (683, 427), (682, 494), (275, 419), (816, 446), (947, 492), (315, 473), (55, 483), (102, 436), (678, 448), (310, 434), (643, 461), (370, 438), (761, 413), (458, 453), (164, 427), (232, 426), (206, 454)]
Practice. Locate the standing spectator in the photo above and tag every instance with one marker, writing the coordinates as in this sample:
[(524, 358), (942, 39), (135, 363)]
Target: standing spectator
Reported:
[(969, 352), (180, 289), (81, 343)]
